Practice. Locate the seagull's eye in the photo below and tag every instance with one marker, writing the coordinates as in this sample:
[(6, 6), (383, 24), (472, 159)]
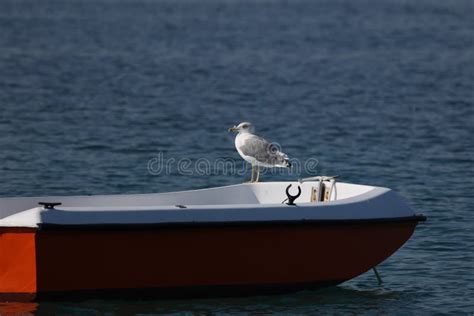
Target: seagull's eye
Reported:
[(245, 126)]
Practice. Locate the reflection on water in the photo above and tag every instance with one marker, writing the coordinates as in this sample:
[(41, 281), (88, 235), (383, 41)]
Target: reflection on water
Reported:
[(14, 309), (339, 297)]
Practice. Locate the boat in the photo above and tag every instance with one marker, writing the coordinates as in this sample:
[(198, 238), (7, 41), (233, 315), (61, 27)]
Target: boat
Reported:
[(237, 240)]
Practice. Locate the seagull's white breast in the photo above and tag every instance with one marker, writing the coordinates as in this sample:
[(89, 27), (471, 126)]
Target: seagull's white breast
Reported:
[(239, 142)]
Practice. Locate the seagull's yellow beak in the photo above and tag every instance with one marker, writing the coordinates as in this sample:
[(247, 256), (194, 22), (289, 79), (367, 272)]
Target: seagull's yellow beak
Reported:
[(233, 129)]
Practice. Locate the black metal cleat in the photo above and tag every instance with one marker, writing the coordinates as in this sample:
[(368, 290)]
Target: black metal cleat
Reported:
[(49, 205)]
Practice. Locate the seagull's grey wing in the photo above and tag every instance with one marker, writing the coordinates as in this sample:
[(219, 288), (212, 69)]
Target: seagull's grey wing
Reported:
[(263, 151)]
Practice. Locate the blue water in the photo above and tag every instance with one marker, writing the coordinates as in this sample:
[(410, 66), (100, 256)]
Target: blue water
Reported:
[(379, 92)]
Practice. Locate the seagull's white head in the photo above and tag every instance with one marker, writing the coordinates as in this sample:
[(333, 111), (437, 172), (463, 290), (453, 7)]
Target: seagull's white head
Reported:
[(244, 127)]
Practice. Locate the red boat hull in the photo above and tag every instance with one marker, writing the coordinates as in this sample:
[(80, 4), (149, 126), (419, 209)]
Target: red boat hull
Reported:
[(191, 260)]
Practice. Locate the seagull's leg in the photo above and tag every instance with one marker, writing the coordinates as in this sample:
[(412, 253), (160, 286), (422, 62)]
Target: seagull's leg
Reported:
[(257, 169), (252, 174)]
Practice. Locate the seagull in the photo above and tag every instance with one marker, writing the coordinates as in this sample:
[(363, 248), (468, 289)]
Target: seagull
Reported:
[(257, 151)]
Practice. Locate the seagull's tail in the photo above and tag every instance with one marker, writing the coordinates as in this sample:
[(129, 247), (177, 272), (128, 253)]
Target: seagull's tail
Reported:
[(287, 162)]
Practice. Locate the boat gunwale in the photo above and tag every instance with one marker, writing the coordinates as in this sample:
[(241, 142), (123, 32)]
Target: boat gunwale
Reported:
[(374, 192), (289, 212)]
